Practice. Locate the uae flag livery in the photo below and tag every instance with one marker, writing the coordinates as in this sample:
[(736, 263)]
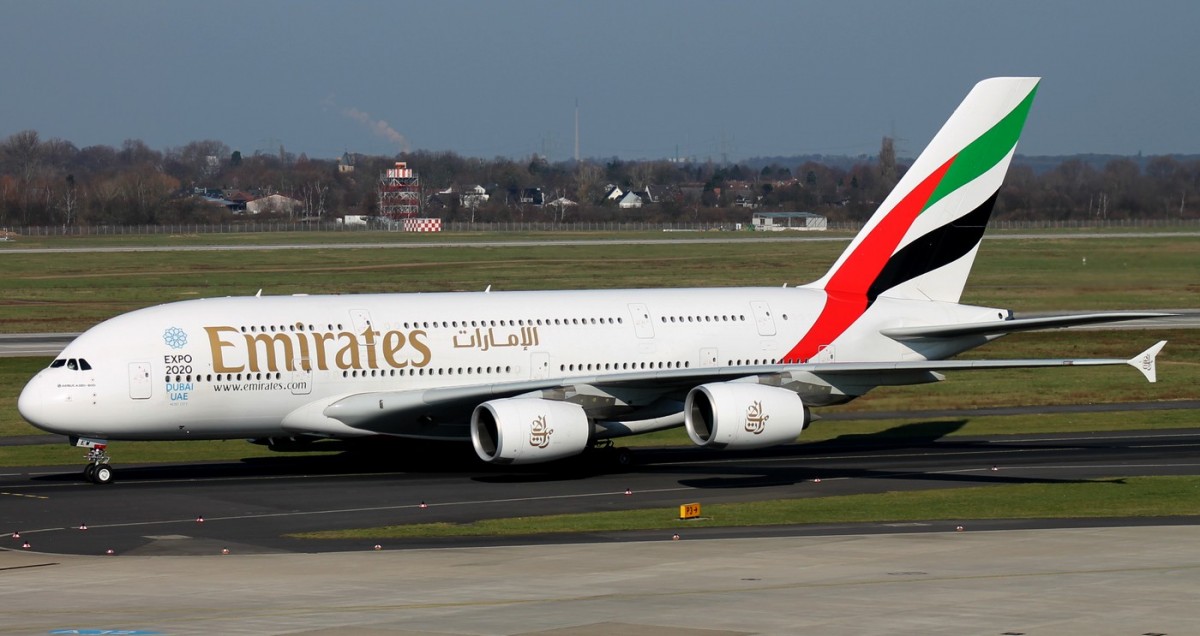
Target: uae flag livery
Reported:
[(922, 240)]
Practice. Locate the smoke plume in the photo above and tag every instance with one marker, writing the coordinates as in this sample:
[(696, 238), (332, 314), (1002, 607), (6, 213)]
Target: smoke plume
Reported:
[(378, 127)]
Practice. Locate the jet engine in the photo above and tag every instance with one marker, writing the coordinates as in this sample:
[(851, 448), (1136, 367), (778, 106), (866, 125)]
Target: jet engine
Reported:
[(528, 430), (742, 416)]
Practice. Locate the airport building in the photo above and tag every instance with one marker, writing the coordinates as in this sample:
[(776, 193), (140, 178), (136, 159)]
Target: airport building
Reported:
[(777, 221)]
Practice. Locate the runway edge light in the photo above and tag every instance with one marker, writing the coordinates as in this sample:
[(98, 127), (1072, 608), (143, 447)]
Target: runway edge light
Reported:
[(689, 511)]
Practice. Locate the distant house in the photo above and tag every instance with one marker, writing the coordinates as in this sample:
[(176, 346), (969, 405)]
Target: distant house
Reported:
[(526, 196), (744, 198), (660, 194), (778, 221), (238, 200), (629, 201), (691, 191), (474, 197), (273, 204), (613, 193), (234, 202), (440, 200)]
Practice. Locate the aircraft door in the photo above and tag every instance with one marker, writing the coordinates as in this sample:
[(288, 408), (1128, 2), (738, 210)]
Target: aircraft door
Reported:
[(361, 319), (300, 381), (362, 322), (708, 357), (762, 318), (825, 353), (140, 385), (641, 320)]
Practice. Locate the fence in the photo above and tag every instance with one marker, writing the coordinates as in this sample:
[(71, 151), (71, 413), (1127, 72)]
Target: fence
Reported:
[(612, 226)]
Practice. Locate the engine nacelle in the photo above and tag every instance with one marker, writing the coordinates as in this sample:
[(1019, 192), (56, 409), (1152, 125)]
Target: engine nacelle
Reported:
[(528, 430), (736, 415)]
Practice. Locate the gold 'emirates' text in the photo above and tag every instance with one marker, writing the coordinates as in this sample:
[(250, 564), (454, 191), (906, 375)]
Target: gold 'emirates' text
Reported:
[(235, 352)]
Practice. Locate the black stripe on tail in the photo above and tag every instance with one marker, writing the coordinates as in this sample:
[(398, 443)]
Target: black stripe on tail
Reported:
[(935, 249)]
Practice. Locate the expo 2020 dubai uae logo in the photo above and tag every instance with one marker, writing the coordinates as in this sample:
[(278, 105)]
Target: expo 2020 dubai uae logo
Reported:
[(175, 338)]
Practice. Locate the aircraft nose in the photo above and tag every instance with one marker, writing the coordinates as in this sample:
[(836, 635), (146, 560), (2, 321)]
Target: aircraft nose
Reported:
[(36, 405)]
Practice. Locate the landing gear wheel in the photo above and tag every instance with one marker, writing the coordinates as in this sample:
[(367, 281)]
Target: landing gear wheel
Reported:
[(102, 474), (97, 470), (625, 458)]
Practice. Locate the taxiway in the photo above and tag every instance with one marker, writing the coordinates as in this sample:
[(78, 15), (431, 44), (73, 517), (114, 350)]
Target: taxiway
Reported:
[(252, 506)]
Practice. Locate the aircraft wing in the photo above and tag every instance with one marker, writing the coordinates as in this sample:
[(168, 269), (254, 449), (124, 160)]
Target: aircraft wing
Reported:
[(443, 413), (1001, 327)]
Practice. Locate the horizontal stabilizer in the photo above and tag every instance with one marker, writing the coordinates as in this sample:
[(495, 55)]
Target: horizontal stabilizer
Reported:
[(1001, 327)]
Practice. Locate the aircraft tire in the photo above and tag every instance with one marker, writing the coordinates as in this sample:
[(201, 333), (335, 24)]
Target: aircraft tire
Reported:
[(89, 473), (103, 474)]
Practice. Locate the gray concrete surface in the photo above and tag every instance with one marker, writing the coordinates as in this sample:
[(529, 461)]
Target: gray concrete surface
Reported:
[(23, 345), (1096, 581)]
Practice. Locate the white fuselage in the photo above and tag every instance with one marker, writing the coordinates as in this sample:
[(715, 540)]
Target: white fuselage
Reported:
[(235, 367)]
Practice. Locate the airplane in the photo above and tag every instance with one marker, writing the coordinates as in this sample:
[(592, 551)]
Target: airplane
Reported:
[(537, 376)]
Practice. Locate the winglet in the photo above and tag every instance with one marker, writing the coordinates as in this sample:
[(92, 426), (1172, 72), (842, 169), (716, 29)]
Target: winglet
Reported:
[(1145, 361)]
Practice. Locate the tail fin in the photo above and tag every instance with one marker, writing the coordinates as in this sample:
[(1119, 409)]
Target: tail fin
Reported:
[(921, 243), (922, 240)]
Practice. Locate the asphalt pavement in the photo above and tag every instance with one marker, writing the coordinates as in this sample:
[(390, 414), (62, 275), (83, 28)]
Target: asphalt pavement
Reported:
[(254, 504), (233, 572)]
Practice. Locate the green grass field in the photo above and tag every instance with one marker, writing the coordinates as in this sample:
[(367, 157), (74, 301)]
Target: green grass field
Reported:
[(71, 291), (1126, 497)]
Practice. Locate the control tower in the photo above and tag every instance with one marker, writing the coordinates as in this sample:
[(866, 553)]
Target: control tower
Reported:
[(399, 193)]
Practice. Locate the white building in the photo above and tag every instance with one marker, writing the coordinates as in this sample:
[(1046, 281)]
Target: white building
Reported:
[(273, 204), (630, 200), (778, 221)]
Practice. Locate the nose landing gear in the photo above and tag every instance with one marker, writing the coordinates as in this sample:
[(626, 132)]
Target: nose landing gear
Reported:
[(98, 470)]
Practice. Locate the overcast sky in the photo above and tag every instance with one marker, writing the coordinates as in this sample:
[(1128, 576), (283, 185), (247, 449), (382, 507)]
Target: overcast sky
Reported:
[(651, 78)]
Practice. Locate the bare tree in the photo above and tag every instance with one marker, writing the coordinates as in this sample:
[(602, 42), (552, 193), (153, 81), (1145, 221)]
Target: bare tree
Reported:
[(312, 197), (69, 201)]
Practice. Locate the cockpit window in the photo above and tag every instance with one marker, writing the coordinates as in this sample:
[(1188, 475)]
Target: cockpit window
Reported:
[(74, 364)]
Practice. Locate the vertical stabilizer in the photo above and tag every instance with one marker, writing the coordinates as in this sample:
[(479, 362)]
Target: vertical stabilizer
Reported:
[(921, 242)]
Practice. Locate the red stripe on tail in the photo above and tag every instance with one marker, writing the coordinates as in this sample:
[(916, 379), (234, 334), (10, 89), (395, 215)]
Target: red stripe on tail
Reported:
[(846, 291)]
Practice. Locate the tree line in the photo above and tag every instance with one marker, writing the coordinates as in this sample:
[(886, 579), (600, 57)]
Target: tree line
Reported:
[(53, 182)]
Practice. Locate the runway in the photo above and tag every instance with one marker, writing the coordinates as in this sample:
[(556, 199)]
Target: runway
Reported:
[(249, 506), (27, 345)]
